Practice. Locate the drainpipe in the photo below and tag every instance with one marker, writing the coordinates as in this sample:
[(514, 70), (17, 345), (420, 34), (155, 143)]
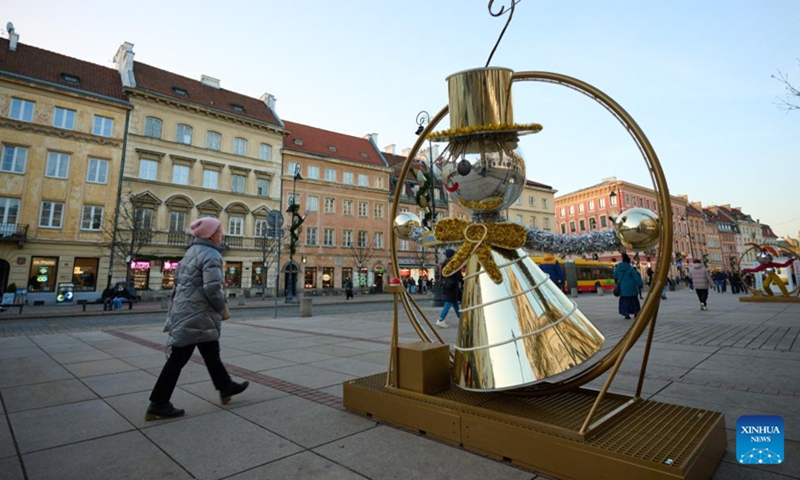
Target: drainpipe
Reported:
[(119, 198)]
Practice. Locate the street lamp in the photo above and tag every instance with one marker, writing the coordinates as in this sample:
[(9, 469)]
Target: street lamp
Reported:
[(690, 236), (294, 235), (424, 118)]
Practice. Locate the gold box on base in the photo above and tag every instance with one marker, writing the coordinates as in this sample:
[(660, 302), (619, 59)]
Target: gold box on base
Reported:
[(423, 367)]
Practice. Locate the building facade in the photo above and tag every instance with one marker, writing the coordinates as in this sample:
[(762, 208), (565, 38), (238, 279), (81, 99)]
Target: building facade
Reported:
[(62, 128), (197, 150), (535, 207)]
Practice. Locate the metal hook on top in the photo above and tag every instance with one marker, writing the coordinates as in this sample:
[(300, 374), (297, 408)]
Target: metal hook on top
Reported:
[(502, 32)]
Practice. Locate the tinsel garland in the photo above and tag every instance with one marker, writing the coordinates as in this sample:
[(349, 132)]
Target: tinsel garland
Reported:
[(421, 199), (484, 129)]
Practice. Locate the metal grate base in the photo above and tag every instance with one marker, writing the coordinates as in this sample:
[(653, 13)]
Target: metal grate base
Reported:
[(648, 440)]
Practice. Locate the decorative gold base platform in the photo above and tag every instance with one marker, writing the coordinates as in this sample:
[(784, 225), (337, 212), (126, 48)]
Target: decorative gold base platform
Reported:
[(770, 299), (646, 440)]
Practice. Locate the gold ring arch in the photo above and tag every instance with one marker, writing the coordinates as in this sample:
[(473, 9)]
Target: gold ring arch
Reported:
[(614, 356)]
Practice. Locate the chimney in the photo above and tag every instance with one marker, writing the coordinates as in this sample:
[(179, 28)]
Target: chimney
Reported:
[(390, 148), (123, 60), (210, 81), (404, 152), (13, 37), (269, 99), (372, 137)]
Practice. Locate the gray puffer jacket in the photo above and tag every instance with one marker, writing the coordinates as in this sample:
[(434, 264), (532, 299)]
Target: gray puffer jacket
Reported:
[(195, 315)]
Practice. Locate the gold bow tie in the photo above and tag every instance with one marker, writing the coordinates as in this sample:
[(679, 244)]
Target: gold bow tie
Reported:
[(478, 238)]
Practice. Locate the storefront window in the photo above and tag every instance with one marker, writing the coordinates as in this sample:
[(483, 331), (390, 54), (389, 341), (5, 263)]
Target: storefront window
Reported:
[(233, 274), (310, 278), (84, 274), (140, 274), (168, 269), (327, 277), (259, 274), (347, 274), (43, 274)]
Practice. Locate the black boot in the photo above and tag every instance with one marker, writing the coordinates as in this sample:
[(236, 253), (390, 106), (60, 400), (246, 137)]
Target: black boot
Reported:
[(233, 389), (166, 410)]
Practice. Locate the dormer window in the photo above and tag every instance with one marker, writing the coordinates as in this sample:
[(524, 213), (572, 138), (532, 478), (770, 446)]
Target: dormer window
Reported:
[(236, 107), (73, 79), (180, 91), (332, 149), (364, 155), (297, 141)]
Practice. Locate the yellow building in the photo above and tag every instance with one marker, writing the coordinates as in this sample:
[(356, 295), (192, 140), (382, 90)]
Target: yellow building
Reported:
[(535, 207), (197, 150), (62, 127)]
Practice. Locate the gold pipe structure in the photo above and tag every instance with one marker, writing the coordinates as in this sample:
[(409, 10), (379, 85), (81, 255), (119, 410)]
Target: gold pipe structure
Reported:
[(647, 316)]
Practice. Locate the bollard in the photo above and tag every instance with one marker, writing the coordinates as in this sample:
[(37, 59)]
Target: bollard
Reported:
[(574, 292), (305, 307), (165, 302), (600, 291)]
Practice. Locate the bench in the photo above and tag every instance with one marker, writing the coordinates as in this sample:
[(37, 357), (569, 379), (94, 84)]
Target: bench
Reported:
[(6, 306), (83, 303)]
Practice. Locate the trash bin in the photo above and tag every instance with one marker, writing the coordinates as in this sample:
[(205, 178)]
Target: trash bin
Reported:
[(65, 293), (306, 306)]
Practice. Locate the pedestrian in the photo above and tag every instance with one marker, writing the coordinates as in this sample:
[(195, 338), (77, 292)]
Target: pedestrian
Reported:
[(451, 289), (348, 289), (552, 268), (702, 282), (108, 297), (630, 284), (120, 296), (649, 273), (194, 320), (412, 285)]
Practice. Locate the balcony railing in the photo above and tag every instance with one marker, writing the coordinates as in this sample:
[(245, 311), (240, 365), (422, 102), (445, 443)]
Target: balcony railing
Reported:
[(14, 232), (151, 238)]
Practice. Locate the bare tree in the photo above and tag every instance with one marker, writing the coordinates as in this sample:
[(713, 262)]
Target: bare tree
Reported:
[(792, 99), (132, 235), (360, 256), (271, 243)]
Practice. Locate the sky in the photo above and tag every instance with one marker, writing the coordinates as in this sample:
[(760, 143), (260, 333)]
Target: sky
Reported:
[(697, 77)]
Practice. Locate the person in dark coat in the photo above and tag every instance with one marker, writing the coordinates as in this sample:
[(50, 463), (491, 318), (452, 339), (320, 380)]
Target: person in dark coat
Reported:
[(552, 268), (194, 320), (451, 289), (108, 297), (121, 294), (630, 282), (348, 289)]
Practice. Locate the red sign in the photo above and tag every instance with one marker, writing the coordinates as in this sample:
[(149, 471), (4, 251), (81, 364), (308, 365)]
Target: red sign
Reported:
[(170, 265), (140, 265)]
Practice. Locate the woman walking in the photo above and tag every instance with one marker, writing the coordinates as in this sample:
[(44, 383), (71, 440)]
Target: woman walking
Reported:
[(450, 288), (194, 320), (630, 282), (702, 281)]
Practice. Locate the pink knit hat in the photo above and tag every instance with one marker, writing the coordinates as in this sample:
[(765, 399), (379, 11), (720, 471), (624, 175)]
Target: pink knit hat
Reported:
[(204, 227)]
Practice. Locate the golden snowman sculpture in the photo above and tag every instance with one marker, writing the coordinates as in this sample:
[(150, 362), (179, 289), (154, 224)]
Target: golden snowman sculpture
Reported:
[(516, 327)]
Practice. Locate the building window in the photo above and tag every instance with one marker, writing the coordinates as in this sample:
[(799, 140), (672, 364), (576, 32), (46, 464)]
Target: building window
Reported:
[(519, 200), (580, 207), (240, 146), (403, 244), (613, 200), (312, 202), (21, 110), (562, 212), (57, 165), (177, 221), (378, 210), (211, 179), (97, 171), (9, 209), (43, 274), (233, 274), (84, 274), (544, 203), (311, 236), (347, 207), (265, 151), (51, 214), (519, 220), (143, 218), (601, 203), (347, 238), (152, 127), (347, 178), (362, 239), (572, 227), (313, 172), (330, 205), (293, 199), (310, 278), (330, 175), (180, 174), (627, 199), (546, 223), (533, 221), (347, 274), (294, 167), (262, 187), (213, 141), (572, 209), (363, 180), (563, 228), (362, 209), (641, 202), (592, 223), (237, 183), (148, 169), (184, 134), (582, 224), (378, 240), (64, 118), (92, 218), (103, 126), (236, 226), (603, 221), (327, 277), (591, 205), (328, 237), (15, 159)]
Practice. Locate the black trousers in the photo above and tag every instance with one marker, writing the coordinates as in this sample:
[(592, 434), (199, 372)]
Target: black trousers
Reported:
[(165, 385), (702, 294)]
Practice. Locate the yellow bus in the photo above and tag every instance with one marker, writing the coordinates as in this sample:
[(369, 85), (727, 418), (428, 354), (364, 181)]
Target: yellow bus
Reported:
[(585, 275)]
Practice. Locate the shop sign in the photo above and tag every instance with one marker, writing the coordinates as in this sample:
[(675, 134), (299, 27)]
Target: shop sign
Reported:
[(140, 265), (170, 265), (379, 269)]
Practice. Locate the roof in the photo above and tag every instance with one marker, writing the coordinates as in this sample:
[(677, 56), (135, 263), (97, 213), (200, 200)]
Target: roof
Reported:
[(170, 84), (531, 183), (43, 65), (324, 143)]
